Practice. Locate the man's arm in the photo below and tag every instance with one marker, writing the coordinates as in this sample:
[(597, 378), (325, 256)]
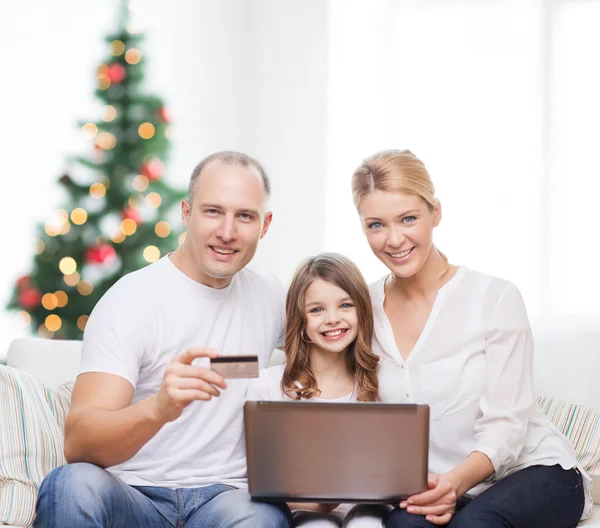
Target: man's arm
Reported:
[(105, 429)]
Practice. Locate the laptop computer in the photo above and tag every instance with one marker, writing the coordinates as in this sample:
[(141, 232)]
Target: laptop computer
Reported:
[(336, 452)]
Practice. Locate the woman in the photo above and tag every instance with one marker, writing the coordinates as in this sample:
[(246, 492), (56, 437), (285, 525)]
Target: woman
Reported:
[(328, 335), (460, 341)]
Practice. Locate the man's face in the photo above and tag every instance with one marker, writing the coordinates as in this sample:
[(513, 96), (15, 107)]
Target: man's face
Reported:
[(225, 221)]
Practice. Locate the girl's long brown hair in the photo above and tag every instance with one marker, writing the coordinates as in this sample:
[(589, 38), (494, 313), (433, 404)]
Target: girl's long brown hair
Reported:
[(299, 381)]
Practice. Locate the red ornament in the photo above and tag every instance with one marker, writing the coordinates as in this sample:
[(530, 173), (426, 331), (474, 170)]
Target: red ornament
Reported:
[(152, 170), (100, 254), (23, 282), (132, 213), (30, 298), (116, 73), (163, 115)]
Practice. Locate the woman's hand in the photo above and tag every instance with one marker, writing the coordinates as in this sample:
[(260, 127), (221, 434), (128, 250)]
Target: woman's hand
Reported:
[(437, 504)]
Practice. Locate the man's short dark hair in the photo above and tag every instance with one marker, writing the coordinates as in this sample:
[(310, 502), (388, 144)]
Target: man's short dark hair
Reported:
[(229, 157)]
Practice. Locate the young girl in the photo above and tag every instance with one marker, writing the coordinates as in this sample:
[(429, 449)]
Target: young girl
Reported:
[(329, 327), (460, 341)]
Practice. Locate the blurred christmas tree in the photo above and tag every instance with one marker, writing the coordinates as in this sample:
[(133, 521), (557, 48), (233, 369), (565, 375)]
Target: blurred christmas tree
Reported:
[(116, 216)]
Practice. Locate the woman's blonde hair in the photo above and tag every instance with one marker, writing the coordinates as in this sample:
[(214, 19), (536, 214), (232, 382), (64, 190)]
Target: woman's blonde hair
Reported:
[(299, 381), (393, 171)]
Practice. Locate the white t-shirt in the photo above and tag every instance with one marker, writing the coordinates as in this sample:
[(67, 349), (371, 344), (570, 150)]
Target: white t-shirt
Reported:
[(155, 314), (267, 387), (473, 366)]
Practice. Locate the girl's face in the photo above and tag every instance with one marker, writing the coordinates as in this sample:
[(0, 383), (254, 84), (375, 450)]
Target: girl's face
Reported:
[(399, 229), (331, 320)]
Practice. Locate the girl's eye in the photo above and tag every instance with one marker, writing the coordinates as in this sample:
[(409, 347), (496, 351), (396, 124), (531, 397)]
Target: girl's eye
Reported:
[(347, 305), (315, 310), (375, 225), (409, 219)]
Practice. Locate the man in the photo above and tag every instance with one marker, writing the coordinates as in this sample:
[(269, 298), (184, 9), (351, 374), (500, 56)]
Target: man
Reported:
[(170, 431)]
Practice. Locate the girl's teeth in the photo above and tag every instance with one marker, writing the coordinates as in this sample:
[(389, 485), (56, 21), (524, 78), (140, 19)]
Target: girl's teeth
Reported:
[(334, 333)]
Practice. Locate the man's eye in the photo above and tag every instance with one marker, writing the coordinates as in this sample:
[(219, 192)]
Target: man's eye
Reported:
[(375, 225), (212, 211), (246, 217)]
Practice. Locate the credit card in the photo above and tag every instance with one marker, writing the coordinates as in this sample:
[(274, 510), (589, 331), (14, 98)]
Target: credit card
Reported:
[(235, 366)]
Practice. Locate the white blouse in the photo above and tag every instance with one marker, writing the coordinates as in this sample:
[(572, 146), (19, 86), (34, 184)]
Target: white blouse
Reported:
[(473, 366)]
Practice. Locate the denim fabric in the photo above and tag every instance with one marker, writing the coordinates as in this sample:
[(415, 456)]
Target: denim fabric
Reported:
[(85, 496), (535, 497)]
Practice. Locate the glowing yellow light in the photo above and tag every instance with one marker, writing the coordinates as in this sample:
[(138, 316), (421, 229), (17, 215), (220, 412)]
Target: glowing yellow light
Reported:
[(118, 238), (109, 113), (128, 227), (117, 47), (106, 140), (79, 216), (39, 246), (67, 265), (140, 183), (168, 133), (132, 202), (103, 82), (71, 279), (146, 130), (62, 298), (153, 200), (133, 56), (151, 253), (49, 301), (102, 69), (90, 130), (181, 239), (97, 190), (52, 230), (66, 227), (133, 28), (85, 287), (82, 321), (162, 229), (44, 332), (25, 318), (53, 322)]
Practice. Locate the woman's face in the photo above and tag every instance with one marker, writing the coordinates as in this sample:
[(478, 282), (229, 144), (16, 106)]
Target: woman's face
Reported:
[(399, 229)]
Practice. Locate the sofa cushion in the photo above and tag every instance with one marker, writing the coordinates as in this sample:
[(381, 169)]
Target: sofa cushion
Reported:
[(31, 440), (581, 425)]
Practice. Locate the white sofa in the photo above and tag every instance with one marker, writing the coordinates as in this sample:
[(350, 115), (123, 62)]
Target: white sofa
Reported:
[(567, 366)]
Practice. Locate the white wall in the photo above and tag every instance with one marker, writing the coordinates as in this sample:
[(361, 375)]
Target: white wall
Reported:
[(241, 75)]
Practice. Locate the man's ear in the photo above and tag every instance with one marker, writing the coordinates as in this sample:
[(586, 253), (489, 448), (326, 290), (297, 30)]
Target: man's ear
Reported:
[(266, 224), (437, 214), (185, 211)]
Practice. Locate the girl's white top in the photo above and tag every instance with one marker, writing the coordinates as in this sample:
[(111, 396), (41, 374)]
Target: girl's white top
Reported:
[(473, 366)]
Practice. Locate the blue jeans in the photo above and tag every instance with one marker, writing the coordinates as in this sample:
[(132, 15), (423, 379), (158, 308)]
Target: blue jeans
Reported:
[(85, 496), (535, 497)]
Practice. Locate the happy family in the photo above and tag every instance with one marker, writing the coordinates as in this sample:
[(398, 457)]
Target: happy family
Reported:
[(155, 439)]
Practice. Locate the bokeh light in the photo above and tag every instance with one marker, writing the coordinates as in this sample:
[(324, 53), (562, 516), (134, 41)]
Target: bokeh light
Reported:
[(117, 47), (71, 279), (153, 200), (97, 190), (49, 301), (140, 183), (67, 265), (128, 227), (62, 298), (82, 321), (106, 140), (85, 287), (151, 253), (109, 113), (53, 322), (146, 130), (133, 56), (90, 130), (79, 216), (162, 229)]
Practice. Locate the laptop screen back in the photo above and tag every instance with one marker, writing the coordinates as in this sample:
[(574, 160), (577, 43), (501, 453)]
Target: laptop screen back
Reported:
[(336, 452)]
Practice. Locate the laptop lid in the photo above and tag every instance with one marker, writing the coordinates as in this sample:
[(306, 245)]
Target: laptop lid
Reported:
[(336, 452)]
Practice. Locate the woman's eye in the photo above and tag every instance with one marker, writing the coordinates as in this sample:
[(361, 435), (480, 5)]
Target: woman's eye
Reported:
[(375, 225), (409, 219)]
